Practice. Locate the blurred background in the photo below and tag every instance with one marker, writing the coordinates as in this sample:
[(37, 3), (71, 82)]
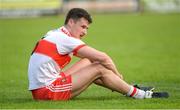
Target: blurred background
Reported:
[(142, 37), (19, 8)]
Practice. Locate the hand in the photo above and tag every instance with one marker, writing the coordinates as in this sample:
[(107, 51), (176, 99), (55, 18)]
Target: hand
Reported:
[(121, 76)]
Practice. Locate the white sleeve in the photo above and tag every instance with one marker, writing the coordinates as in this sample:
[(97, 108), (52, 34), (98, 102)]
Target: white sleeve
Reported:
[(68, 45)]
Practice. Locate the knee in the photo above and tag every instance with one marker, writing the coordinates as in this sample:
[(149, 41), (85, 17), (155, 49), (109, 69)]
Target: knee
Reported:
[(86, 60), (100, 68)]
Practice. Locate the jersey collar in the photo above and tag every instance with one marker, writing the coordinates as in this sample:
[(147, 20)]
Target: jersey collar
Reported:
[(65, 31)]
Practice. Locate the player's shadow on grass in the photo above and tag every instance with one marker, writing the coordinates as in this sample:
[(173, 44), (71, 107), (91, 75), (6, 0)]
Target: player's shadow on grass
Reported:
[(97, 98), (17, 100)]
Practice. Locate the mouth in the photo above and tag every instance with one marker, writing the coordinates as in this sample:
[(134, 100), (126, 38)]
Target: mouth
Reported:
[(81, 36)]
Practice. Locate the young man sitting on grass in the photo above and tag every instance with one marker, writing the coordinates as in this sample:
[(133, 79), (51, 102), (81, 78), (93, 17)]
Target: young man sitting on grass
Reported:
[(48, 80)]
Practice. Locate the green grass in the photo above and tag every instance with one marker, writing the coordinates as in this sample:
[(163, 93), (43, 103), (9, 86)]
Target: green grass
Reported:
[(146, 48)]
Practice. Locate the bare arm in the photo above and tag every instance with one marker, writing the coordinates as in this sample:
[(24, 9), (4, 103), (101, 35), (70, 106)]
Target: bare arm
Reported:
[(98, 56)]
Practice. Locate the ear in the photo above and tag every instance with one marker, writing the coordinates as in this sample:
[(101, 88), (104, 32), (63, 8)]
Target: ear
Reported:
[(71, 21)]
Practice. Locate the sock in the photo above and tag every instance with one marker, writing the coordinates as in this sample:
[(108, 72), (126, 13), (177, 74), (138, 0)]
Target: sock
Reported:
[(136, 93)]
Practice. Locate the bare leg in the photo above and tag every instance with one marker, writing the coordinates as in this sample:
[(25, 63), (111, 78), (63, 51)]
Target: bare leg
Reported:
[(81, 64), (78, 65), (86, 75), (82, 78), (113, 82)]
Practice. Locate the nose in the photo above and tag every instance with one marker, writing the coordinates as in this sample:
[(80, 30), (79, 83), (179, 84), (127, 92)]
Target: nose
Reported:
[(85, 32)]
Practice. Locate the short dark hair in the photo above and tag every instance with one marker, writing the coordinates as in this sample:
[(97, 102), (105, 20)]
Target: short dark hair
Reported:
[(77, 13)]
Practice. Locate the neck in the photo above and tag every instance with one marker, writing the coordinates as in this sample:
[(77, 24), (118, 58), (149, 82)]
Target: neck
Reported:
[(68, 28)]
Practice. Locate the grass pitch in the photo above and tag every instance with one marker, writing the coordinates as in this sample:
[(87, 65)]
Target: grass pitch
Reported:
[(144, 47)]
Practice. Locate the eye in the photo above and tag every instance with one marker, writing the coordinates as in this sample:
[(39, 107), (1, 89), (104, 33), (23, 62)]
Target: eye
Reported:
[(84, 27)]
